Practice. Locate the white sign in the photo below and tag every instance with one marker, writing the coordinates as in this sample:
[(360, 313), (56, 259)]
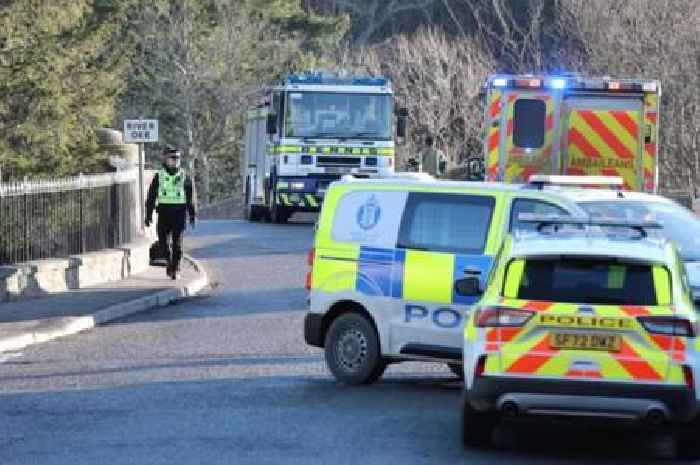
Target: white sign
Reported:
[(140, 130)]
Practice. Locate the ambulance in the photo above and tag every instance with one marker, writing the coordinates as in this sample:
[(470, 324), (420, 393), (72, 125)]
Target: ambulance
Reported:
[(391, 260), (587, 323), (572, 125)]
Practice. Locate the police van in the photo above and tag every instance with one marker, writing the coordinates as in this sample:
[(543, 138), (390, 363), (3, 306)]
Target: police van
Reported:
[(392, 262)]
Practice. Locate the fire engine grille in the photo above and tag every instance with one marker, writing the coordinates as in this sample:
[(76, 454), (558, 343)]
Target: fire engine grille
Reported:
[(338, 161)]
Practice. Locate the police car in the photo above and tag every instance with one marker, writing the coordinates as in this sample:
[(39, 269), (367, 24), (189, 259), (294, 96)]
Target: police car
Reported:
[(595, 323), (391, 261)]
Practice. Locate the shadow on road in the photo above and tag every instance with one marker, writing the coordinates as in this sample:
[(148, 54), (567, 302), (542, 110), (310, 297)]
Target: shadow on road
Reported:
[(306, 420), (226, 303)]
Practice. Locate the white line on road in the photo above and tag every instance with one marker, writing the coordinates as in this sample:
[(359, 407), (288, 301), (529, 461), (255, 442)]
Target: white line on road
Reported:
[(7, 356)]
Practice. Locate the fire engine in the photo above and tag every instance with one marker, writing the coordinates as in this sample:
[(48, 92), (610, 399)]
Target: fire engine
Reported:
[(310, 130)]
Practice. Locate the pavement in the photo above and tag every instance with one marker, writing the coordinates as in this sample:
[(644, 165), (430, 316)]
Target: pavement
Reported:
[(226, 378), (34, 321)]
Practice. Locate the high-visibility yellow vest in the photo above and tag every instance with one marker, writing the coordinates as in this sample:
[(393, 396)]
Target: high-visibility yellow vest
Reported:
[(171, 188)]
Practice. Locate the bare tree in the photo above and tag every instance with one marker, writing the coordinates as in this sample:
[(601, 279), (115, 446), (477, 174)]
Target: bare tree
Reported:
[(516, 32), (374, 15), (646, 38), (439, 79)]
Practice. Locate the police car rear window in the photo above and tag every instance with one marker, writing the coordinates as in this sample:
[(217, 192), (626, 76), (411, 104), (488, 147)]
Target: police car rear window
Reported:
[(587, 281), (451, 223)]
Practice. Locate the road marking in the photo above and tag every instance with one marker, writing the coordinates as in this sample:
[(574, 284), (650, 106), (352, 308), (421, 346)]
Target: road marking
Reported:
[(7, 356)]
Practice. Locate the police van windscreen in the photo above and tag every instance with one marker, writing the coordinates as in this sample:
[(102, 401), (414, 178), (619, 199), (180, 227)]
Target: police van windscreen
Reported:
[(338, 115), (587, 281)]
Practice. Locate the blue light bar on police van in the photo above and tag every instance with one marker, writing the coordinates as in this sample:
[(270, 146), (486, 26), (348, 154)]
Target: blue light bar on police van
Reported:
[(500, 82)]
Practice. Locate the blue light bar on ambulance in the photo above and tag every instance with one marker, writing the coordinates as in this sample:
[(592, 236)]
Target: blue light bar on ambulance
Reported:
[(557, 83)]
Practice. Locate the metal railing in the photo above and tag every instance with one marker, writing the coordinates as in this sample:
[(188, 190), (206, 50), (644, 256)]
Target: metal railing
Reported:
[(57, 218)]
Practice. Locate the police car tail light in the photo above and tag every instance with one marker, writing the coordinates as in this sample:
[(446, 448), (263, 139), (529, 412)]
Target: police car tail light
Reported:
[(667, 325), (502, 316), (688, 376), (480, 367)]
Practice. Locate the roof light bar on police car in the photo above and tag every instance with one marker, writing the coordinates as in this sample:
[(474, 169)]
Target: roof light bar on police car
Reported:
[(544, 221), (540, 180)]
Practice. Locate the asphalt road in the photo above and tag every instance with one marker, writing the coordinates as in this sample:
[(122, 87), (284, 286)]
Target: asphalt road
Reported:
[(227, 379)]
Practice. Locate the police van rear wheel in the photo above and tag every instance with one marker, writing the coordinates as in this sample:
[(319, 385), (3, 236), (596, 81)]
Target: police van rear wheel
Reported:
[(477, 427), (352, 350)]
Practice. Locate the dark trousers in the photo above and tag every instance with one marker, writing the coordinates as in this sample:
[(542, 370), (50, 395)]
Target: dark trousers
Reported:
[(171, 225)]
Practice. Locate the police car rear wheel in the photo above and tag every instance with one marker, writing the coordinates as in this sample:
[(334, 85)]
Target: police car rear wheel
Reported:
[(477, 427), (687, 445), (352, 350)]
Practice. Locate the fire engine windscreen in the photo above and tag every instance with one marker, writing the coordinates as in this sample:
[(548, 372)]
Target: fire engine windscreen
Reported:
[(338, 115)]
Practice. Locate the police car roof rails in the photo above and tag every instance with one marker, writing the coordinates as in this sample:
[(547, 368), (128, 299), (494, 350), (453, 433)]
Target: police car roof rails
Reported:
[(555, 221), (538, 181)]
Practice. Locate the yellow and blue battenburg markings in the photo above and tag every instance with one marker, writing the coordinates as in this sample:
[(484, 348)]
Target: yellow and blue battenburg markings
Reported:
[(416, 275)]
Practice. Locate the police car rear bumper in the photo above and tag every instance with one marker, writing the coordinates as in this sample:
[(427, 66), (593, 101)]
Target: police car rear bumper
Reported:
[(624, 401), (313, 329)]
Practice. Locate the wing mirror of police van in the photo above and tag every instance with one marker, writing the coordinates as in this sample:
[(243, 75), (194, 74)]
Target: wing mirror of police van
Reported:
[(468, 286), (402, 123), (272, 123)]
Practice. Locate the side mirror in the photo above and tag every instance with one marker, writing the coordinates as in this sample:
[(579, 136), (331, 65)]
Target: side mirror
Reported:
[(271, 123), (402, 123), (468, 286), (476, 169)]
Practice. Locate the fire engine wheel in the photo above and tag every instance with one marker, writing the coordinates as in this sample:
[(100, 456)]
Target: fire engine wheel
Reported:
[(477, 427), (252, 212), (352, 350), (277, 213)]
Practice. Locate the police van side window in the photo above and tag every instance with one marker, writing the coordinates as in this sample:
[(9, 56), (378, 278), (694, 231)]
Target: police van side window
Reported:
[(446, 223), (537, 207)]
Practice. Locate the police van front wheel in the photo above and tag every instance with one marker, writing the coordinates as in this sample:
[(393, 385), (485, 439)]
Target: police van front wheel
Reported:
[(352, 350)]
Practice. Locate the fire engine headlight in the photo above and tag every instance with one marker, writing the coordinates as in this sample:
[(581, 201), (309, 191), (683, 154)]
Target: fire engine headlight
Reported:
[(297, 186)]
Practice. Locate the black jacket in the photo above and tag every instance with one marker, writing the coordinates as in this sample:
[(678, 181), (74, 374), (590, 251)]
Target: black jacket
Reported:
[(189, 207)]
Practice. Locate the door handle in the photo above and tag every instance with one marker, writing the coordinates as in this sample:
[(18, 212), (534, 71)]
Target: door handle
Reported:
[(471, 271)]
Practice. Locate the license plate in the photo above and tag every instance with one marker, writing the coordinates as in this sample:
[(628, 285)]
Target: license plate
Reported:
[(338, 170), (586, 341)]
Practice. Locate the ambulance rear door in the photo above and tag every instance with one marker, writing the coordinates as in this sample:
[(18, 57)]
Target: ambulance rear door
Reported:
[(601, 136)]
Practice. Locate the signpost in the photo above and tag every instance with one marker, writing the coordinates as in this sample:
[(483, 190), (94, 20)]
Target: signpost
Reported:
[(141, 131)]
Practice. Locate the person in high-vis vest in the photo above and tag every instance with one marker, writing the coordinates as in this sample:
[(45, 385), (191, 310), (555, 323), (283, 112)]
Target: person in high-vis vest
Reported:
[(171, 194)]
